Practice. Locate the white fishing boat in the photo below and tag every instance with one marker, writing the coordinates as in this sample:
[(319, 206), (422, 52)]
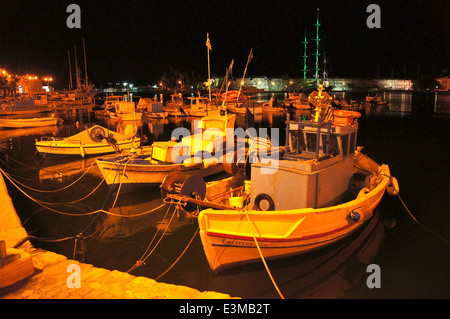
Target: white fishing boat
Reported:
[(28, 122), (175, 107), (125, 111), (201, 106), (137, 170), (96, 140), (111, 101), (321, 190), (151, 109)]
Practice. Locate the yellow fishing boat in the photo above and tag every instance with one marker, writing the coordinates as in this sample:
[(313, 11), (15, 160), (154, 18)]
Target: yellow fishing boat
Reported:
[(137, 170), (96, 140), (319, 191)]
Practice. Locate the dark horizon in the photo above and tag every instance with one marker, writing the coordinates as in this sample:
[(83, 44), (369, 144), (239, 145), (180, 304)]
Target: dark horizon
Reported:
[(137, 41)]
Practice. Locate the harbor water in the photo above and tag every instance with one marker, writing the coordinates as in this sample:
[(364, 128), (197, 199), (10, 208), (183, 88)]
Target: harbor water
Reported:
[(410, 134)]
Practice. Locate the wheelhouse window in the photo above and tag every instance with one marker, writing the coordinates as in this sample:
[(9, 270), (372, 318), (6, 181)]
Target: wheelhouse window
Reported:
[(344, 140), (353, 142), (296, 142), (333, 147)]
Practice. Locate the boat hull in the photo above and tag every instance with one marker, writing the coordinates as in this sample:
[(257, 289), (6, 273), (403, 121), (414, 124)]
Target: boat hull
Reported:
[(78, 149), (22, 123), (228, 236), (138, 174)]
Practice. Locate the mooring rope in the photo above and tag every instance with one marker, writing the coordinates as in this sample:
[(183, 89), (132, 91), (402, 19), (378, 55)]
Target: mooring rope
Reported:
[(262, 257), (56, 190), (420, 224), (179, 257), (142, 260)]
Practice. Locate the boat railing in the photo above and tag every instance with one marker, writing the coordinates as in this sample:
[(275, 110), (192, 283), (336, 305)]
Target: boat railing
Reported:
[(51, 138)]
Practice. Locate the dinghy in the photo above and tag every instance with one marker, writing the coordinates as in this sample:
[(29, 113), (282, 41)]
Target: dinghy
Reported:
[(96, 140)]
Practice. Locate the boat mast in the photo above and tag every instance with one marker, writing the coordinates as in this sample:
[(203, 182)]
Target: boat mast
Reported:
[(317, 39), (76, 69), (85, 66), (250, 57), (208, 48), (70, 71), (305, 56), (325, 74)]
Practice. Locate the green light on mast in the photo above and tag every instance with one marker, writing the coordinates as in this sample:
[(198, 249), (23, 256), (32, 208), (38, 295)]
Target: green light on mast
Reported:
[(317, 39), (305, 56)]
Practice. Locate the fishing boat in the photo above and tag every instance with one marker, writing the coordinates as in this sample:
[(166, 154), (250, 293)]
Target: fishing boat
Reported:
[(96, 140), (377, 99), (151, 109), (111, 101), (201, 106), (298, 101), (175, 107), (137, 170), (319, 191), (270, 106), (28, 122), (125, 111)]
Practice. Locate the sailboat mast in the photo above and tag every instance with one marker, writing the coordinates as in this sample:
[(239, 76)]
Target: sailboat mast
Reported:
[(317, 39), (76, 68), (70, 71), (85, 66), (208, 47), (305, 56)]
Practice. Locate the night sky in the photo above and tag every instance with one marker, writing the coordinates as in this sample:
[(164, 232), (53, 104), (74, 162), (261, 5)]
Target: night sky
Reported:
[(136, 41)]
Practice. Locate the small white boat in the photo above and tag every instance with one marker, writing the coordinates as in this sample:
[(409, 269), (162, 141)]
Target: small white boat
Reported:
[(201, 106), (175, 107), (125, 111), (28, 122), (151, 109), (138, 170), (297, 100), (321, 190), (96, 140)]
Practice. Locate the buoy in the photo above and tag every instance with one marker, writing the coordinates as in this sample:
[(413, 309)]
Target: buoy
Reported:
[(393, 188)]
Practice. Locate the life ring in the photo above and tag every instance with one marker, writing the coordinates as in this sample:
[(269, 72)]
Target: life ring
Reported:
[(261, 197)]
